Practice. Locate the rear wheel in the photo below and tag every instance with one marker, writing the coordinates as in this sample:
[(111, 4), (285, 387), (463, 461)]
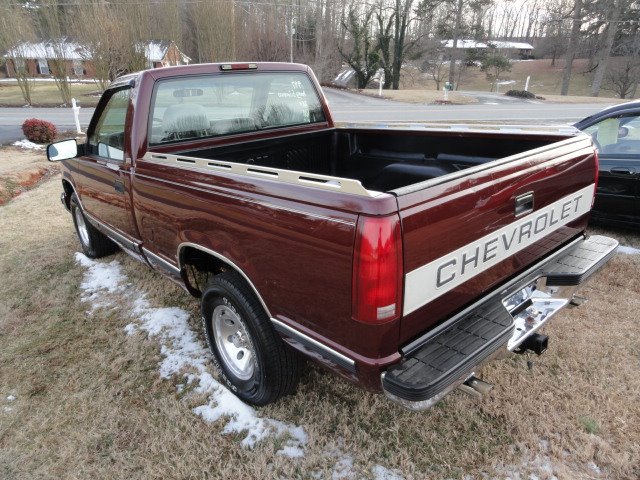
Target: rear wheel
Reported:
[(94, 243), (250, 356)]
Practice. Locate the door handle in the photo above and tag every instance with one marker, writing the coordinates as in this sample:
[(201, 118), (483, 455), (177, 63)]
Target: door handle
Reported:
[(623, 170), (119, 186), (524, 204)]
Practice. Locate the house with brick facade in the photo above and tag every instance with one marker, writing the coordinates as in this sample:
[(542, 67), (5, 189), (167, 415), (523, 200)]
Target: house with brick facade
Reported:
[(39, 57)]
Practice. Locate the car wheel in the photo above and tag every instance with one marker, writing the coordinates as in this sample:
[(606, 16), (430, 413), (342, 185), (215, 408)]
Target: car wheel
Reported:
[(250, 356), (94, 243)]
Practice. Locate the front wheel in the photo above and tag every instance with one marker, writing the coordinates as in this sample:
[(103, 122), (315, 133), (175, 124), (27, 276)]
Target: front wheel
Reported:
[(250, 356), (94, 243)]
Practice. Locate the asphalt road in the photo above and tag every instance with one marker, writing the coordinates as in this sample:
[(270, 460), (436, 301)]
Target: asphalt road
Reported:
[(350, 107), (11, 120)]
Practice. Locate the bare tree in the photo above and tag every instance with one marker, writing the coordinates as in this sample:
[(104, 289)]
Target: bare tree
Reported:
[(361, 55), (101, 42), (213, 27), (457, 32), (435, 64), (385, 39), (402, 12), (574, 39), (612, 16), (53, 28), (16, 29), (622, 77), (265, 36)]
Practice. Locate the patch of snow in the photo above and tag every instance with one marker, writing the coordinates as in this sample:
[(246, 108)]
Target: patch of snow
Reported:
[(7, 409), (11, 398), (594, 468), (343, 468), (182, 351), (26, 144), (100, 278), (131, 329), (382, 473), (628, 250)]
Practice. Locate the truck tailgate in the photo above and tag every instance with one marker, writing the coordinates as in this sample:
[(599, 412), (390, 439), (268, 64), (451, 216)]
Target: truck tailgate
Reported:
[(468, 232)]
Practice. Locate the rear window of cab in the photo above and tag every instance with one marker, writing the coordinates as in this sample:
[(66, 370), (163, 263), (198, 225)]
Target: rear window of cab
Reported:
[(193, 107)]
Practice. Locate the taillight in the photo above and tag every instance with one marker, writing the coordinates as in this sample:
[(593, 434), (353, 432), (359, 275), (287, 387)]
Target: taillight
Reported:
[(596, 160), (377, 270)]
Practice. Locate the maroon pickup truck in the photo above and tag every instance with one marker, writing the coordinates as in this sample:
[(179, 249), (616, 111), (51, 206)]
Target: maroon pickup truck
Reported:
[(399, 258)]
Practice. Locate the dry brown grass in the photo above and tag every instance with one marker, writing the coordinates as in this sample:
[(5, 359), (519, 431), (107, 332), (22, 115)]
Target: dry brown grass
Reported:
[(90, 403), (582, 99), (422, 96), (46, 94), (546, 80), (21, 170)]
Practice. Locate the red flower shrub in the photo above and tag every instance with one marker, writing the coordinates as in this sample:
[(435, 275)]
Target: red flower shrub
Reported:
[(39, 131)]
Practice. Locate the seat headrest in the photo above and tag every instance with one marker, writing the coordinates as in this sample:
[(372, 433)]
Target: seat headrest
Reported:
[(185, 118)]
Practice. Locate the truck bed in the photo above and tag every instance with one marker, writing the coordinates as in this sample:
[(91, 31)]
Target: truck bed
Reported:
[(382, 160)]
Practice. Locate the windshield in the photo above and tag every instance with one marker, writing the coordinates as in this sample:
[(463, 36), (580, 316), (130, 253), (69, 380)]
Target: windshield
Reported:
[(212, 105)]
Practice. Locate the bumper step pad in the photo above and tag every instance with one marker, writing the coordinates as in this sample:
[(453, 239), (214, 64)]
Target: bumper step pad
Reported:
[(581, 262), (450, 353)]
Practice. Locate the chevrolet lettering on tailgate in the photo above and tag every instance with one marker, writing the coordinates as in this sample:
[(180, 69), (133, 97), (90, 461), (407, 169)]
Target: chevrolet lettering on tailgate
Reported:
[(442, 275)]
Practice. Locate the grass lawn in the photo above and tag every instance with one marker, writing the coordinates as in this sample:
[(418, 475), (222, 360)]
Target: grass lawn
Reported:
[(46, 94), (421, 96), (79, 398), (546, 80)]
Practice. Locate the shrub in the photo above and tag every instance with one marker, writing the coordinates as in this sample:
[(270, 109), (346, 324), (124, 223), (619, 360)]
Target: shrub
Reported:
[(39, 131), (520, 94)]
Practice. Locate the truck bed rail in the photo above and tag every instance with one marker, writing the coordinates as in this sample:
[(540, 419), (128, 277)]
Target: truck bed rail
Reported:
[(326, 182)]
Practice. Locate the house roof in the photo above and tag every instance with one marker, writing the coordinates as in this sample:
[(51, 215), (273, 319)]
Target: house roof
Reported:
[(155, 50), (47, 49), (500, 44)]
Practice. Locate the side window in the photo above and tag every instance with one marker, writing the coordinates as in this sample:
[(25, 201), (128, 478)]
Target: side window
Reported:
[(617, 136), (107, 139)]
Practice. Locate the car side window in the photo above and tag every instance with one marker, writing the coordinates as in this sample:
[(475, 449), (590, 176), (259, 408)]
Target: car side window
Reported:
[(617, 135), (107, 138)]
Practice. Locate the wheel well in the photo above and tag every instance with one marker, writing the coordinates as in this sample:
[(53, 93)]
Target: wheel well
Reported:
[(68, 190), (198, 266)]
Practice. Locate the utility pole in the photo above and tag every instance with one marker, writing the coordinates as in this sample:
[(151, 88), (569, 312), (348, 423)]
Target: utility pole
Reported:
[(291, 39)]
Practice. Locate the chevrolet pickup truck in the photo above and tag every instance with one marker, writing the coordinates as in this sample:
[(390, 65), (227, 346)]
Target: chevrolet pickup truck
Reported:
[(400, 258)]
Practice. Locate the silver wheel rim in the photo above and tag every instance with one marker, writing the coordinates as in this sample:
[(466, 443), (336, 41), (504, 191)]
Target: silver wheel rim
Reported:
[(233, 342), (82, 227)]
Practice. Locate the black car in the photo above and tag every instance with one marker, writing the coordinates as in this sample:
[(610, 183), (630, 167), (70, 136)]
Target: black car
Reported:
[(616, 134)]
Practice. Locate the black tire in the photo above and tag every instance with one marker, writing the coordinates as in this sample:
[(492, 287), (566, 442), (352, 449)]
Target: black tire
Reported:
[(276, 367), (94, 244)]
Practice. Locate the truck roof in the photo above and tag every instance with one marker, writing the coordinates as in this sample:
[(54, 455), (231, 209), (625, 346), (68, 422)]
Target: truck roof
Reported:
[(204, 68)]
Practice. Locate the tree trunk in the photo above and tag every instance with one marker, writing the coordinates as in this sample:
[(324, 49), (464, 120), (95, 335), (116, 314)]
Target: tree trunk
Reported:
[(456, 37), (573, 45), (605, 52)]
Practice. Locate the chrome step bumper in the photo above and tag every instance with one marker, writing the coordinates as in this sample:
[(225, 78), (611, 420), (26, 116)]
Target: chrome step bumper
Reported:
[(446, 357)]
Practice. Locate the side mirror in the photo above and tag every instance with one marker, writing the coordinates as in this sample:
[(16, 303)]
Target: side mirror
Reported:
[(63, 150)]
